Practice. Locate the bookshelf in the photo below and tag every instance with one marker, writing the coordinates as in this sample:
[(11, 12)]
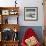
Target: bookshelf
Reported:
[(6, 25)]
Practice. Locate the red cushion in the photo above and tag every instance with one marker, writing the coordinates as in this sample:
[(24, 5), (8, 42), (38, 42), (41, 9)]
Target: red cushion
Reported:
[(29, 33)]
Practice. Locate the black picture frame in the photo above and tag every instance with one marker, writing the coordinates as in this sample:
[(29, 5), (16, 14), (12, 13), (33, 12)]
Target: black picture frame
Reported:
[(30, 13)]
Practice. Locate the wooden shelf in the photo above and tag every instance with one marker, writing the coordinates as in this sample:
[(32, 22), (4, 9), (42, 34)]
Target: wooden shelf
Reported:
[(10, 43), (10, 26), (4, 13), (3, 8), (9, 9)]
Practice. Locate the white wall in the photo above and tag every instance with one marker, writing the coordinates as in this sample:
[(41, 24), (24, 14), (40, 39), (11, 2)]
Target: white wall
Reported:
[(26, 3), (6, 3), (32, 3)]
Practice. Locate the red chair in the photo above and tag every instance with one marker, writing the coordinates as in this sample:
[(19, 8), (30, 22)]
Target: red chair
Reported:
[(29, 33)]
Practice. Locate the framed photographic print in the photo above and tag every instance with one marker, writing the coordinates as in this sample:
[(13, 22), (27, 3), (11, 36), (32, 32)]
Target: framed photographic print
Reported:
[(30, 13), (5, 12)]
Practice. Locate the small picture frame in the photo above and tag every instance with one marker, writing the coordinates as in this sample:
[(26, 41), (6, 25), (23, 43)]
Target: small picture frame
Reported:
[(12, 12), (5, 12), (30, 13)]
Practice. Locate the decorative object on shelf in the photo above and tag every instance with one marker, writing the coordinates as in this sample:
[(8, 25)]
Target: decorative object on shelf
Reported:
[(15, 37), (13, 12), (6, 21), (30, 13), (7, 34), (15, 3), (15, 30), (15, 34), (5, 12)]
